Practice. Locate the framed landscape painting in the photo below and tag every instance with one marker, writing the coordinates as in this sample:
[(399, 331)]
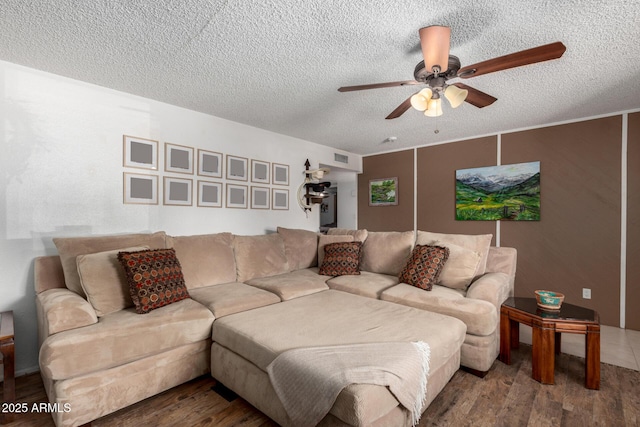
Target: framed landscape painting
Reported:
[(508, 192), (383, 192)]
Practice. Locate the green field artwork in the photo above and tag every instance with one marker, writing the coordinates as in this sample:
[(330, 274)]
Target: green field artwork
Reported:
[(383, 192), (508, 192)]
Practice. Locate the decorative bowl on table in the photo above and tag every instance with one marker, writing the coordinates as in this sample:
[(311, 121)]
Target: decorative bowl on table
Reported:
[(549, 300)]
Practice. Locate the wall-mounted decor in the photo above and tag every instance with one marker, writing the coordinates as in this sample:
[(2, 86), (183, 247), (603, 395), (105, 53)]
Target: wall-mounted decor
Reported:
[(280, 199), (178, 158), (508, 192), (210, 194), (209, 163), (280, 175), (236, 196), (177, 191), (260, 171), (260, 197), (313, 189), (140, 153), (383, 192), (140, 189), (237, 168)]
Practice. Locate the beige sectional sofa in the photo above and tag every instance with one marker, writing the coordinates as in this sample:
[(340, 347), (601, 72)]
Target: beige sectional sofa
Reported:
[(253, 297)]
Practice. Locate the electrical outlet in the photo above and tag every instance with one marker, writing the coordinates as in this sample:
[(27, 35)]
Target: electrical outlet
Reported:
[(586, 293)]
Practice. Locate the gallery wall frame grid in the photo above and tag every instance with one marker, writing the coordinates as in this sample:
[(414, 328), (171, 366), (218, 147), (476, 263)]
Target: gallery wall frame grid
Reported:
[(237, 196), (279, 199), (140, 189), (178, 158), (139, 153), (210, 194), (237, 168), (260, 171), (210, 163), (280, 174), (178, 191)]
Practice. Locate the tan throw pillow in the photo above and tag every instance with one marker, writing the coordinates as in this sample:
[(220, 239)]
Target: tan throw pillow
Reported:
[(103, 280), (358, 235), (155, 278), (479, 243), (341, 259), (326, 239), (424, 266), (70, 247), (459, 270)]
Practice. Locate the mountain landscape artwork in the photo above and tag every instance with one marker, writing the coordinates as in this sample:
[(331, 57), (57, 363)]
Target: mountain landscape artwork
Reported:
[(508, 192)]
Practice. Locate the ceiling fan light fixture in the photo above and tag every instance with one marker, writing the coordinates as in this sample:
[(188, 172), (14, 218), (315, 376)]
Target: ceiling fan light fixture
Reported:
[(434, 109), (435, 41), (420, 101), (455, 95)]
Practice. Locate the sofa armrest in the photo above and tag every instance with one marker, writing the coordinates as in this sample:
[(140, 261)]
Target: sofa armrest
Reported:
[(60, 310), (492, 287)]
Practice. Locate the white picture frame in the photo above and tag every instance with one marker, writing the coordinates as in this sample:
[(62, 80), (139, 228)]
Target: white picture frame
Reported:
[(139, 153), (178, 191), (209, 194), (236, 196), (279, 199), (260, 197), (237, 168), (178, 158), (280, 174), (210, 163), (260, 171), (140, 189)]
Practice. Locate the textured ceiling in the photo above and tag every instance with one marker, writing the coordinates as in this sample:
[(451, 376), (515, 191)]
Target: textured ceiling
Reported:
[(277, 64)]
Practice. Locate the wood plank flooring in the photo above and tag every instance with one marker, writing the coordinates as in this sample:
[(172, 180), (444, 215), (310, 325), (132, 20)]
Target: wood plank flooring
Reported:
[(506, 396)]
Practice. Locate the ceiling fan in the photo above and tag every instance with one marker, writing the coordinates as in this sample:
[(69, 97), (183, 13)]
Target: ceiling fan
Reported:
[(438, 67)]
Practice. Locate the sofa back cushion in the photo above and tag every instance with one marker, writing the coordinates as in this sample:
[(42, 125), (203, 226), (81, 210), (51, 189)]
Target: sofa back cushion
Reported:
[(301, 247), (206, 259), (259, 256), (459, 270), (104, 282), (479, 243), (386, 252), (70, 247)]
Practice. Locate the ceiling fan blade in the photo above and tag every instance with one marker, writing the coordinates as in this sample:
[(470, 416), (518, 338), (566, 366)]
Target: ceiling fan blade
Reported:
[(435, 41), (476, 97), (400, 110), (518, 59), (377, 85)]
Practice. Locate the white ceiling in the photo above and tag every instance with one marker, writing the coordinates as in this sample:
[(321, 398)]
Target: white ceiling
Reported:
[(277, 64)]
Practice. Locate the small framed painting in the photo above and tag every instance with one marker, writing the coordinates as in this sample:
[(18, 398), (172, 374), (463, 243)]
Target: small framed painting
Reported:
[(237, 168), (178, 158), (140, 189), (280, 174), (177, 191), (260, 171), (210, 194), (209, 163), (236, 196), (260, 197), (279, 199), (383, 192), (140, 153)]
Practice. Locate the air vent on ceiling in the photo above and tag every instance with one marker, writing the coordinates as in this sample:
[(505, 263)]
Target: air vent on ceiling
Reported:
[(341, 158)]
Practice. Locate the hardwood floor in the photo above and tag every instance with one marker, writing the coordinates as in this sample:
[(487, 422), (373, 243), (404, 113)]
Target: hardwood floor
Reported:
[(506, 396)]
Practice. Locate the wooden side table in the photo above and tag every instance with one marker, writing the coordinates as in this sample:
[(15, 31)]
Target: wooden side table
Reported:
[(546, 329), (8, 353)]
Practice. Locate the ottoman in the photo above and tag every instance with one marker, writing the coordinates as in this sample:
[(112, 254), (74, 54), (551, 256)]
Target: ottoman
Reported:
[(246, 343)]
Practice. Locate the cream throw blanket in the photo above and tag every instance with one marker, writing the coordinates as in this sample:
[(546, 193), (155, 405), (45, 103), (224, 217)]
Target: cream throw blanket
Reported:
[(308, 380)]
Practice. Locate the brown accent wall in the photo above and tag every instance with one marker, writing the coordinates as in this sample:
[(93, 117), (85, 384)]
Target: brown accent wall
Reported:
[(436, 184), (387, 218), (632, 317), (576, 243)]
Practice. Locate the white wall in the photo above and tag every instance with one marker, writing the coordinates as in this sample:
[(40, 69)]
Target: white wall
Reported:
[(61, 174)]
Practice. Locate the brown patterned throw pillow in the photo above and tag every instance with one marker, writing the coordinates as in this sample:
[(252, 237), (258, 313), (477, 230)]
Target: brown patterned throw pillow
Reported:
[(424, 266), (341, 259), (155, 278)]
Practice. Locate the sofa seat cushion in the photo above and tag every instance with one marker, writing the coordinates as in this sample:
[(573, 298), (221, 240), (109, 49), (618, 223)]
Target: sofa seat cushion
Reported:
[(335, 318), (367, 284), (230, 298), (122, 337), (481, 317), (293, 284)]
